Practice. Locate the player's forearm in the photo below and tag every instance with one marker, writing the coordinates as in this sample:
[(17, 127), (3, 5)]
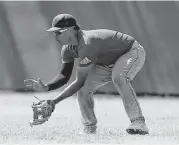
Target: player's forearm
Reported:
[(69, 91), (57, 82)]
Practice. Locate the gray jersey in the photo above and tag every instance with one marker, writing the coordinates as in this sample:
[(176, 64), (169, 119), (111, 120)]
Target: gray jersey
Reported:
[(103, 47)]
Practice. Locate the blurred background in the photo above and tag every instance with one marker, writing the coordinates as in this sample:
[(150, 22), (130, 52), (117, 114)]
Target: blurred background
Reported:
[(27, 50)]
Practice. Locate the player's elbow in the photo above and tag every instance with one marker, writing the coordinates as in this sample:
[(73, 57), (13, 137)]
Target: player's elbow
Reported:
[(65, 80)]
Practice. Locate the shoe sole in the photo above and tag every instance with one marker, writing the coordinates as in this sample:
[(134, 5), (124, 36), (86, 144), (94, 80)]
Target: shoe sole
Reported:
[(137, 131)]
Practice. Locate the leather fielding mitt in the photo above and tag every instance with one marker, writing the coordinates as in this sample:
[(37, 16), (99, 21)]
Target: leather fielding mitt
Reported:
[(42, 111)]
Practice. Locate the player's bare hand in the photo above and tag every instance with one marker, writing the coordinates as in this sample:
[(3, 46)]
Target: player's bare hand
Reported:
[(38, 85)]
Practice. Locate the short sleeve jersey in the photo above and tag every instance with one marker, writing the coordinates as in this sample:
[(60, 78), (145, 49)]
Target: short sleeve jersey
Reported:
[(103, 47), (69, 53)]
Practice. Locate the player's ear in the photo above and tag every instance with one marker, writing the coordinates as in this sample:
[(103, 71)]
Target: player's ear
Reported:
[(73, 30)]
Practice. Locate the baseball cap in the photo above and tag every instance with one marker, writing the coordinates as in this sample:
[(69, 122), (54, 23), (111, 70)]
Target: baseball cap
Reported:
[(62, 21)]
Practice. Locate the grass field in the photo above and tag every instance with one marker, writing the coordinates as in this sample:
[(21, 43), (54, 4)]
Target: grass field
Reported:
[(162, 118)]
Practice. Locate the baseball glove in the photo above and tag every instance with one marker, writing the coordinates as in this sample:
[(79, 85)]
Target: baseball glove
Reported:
[(42, 111)]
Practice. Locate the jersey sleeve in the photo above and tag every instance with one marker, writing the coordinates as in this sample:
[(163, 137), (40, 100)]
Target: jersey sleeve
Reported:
[(66, 54)]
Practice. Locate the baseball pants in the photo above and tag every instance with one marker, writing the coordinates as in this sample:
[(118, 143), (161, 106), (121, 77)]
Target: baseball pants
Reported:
[(121, 73)]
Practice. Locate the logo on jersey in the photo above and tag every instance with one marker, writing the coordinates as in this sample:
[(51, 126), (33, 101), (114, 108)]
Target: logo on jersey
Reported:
[(85, 61)]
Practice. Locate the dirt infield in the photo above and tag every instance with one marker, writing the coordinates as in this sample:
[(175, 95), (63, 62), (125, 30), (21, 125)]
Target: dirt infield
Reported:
[(162, 118)]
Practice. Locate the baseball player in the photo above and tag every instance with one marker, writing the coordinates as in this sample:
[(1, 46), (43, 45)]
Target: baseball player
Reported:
[(104, 56)]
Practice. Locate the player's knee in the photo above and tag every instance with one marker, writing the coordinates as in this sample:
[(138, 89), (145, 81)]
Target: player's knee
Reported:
[(83, 93), (86, 89), (120, 80)]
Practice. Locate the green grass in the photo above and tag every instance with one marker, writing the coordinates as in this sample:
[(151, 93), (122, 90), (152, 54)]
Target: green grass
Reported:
[(162, 118)]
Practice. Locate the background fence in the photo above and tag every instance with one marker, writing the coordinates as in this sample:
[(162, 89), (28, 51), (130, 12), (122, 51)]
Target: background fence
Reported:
[(27, 50)]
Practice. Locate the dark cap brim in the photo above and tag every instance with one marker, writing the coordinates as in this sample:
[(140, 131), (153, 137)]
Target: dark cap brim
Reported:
[(53, 29)]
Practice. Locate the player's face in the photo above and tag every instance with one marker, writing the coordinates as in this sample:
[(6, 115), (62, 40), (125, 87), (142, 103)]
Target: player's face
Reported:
[(64, 36)]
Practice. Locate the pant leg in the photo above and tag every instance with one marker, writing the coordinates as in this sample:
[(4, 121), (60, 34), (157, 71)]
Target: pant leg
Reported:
[(98, 77), (124, 70)]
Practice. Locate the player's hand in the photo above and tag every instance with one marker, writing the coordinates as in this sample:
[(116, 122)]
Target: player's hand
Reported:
[(38, 85)]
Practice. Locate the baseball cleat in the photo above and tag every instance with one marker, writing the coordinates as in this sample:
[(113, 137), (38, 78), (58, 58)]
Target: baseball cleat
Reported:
[(138, 127), (88, 130)]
